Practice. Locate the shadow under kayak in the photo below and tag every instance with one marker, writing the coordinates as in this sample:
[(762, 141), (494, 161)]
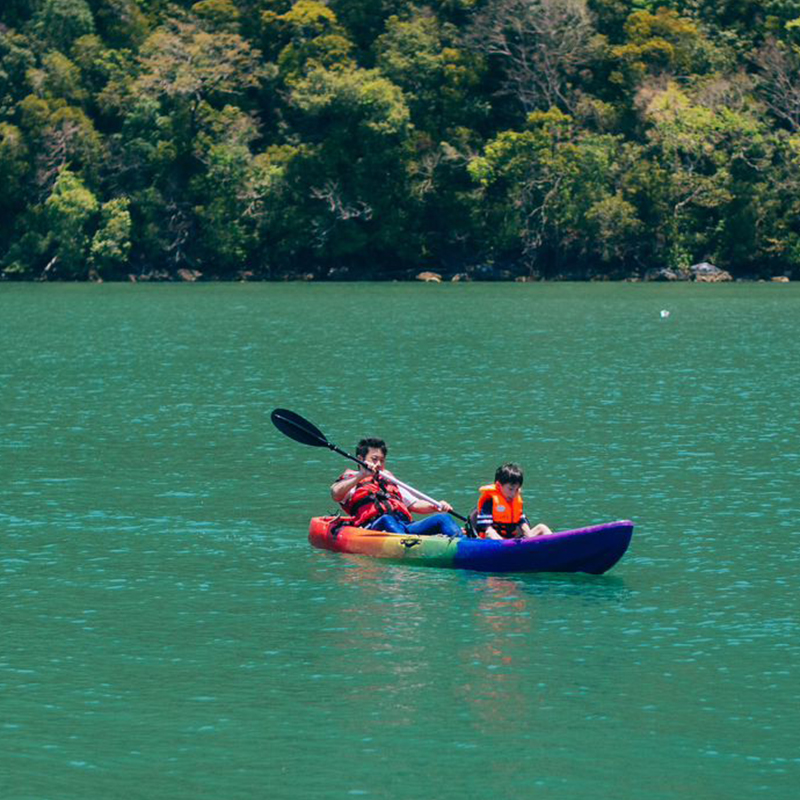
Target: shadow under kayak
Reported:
[(594, 549)]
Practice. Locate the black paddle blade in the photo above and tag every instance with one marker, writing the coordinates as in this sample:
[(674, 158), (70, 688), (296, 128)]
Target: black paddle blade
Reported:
[(296, 427)]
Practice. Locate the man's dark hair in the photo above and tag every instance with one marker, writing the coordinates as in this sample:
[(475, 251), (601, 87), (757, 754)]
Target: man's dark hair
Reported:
[(367, 444), (509, 473)]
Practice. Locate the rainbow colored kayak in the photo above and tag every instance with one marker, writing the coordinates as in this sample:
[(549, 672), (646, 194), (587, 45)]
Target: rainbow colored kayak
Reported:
[(595, 549)]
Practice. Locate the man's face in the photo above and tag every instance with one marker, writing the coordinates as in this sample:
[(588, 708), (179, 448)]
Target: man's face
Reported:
[(375, 458)]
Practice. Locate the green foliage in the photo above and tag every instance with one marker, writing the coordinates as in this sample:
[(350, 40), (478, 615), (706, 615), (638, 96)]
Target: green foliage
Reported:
[(710, 156), (438, 79), (228, 191), (554, 192), (658, 43), (71, 211), (16, 61), (13, 165), (59, 78), (218, 15), (358, 125), (120, 23), (183, 63), (365, 19), (375, 137), (313, 38), (145, 146), (111, 243), (362, 102), (60, 22), (614, 224)]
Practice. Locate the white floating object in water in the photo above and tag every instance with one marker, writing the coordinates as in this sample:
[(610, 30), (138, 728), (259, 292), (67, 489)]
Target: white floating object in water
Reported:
[(664, 313)]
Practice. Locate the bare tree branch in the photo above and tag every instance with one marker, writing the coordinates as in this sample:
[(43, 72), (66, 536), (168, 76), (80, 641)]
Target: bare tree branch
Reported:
[(541, 44), (340, 211), (779, 83)]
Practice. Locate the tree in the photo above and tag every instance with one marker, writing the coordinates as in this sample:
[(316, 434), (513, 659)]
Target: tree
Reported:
[(16, 62), (111, 243), (69, 138), (71, 211), (14, 168), (364, 20), (223, 192), (438, 78), (709, 157), (120, 23), (658, 44), (540, 44), (60, 78), (355, 125), (13, 165), (187, 66), (143, 153), (15, 13), (218, 15), (550, 190), (779, 81), (775, 217), (614, 225), (60, 22), (313, 38)]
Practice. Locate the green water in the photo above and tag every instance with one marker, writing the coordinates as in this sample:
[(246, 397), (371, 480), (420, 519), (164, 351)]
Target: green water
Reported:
[(167, 631)]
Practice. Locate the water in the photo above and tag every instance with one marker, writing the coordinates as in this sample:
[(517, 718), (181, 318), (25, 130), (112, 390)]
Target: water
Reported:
[(167, 632)]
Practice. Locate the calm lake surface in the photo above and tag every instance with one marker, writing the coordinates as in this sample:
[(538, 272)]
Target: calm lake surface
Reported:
[(168, 632)]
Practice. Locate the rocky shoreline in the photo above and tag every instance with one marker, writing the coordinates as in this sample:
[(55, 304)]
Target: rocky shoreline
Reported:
[(704, 272)]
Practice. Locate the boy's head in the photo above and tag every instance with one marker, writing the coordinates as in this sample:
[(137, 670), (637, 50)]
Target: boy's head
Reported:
[(509, 473), (509, 479)]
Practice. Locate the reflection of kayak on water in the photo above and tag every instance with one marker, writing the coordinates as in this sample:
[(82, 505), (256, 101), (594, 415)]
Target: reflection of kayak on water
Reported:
[(594, 549)]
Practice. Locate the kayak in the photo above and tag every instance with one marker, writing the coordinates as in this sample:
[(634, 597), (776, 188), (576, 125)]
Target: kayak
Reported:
[(594, 549)]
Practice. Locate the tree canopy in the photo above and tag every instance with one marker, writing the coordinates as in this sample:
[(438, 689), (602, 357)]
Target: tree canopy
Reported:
[(352, 139)]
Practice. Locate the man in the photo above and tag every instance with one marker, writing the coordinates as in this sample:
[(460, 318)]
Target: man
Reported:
[(371, 496)]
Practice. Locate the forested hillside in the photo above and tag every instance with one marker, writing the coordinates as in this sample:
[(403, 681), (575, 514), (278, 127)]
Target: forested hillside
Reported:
[(378, 138)]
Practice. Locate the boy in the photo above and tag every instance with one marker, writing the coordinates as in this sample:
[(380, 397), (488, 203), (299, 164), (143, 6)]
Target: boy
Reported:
[(499, 514)]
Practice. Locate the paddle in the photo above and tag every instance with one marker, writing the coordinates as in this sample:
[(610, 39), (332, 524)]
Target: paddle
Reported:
[(301, 430)]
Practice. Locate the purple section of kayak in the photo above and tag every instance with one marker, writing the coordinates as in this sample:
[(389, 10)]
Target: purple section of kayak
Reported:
[(594, 549)]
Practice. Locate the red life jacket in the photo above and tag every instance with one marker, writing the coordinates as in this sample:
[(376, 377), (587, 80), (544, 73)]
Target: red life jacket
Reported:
[(373, 497)]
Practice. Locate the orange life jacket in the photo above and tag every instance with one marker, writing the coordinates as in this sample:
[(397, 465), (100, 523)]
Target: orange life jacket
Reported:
[(506, 515), (373, 497)]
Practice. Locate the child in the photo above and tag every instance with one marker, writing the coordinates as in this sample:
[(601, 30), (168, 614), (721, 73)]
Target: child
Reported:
[(499, 514)]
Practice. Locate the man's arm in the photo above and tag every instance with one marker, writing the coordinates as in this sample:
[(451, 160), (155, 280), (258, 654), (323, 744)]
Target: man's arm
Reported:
[(341, 487), (424, 507)]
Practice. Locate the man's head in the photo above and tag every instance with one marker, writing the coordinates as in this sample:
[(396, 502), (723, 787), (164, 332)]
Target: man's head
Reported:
[(373, 451)]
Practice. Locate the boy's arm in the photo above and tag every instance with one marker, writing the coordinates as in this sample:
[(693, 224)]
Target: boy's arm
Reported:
[(483, 521)]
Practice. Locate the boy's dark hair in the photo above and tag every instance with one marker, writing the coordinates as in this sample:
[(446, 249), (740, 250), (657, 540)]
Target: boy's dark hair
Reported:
[(509, 473), (367, 444)]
